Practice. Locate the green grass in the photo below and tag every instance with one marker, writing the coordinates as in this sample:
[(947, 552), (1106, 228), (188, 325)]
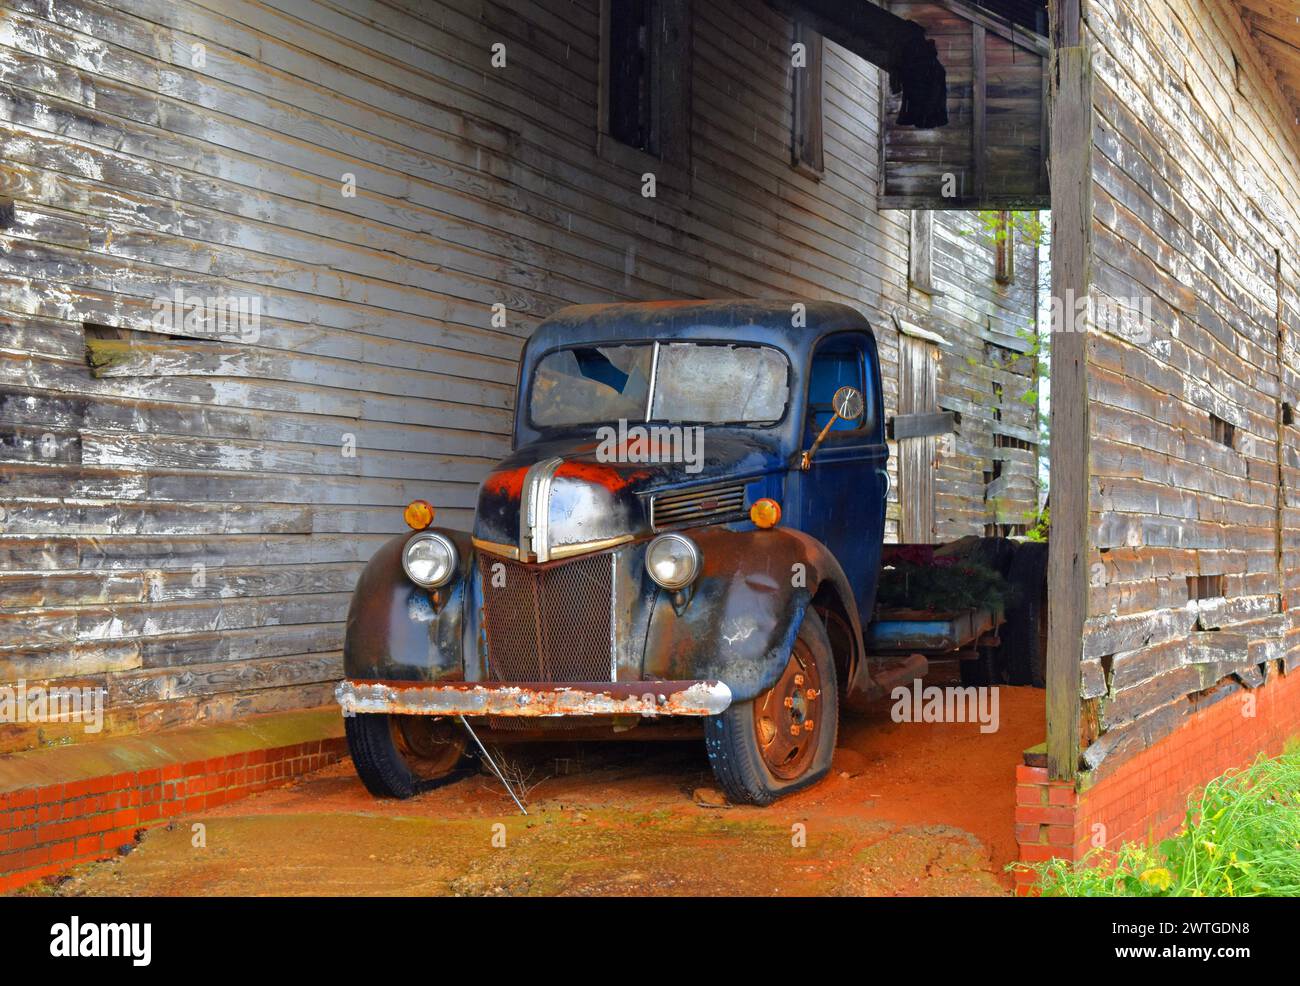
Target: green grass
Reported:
[(1241, 838)]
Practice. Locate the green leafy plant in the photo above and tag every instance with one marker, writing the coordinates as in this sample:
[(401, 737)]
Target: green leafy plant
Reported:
[(1040, 524), (1241, 838)]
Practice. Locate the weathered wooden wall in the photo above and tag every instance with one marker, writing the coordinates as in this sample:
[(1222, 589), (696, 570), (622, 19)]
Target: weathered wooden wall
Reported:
[(183, 524), (982, 477), (986, 480), (1195, 515)]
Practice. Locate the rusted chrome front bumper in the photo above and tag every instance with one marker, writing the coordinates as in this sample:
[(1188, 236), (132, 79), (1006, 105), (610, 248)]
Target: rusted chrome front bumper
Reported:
[(641, 698)]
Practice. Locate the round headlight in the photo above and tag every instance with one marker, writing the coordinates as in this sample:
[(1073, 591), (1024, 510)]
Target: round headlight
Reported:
[(672, 560), (429, 560)]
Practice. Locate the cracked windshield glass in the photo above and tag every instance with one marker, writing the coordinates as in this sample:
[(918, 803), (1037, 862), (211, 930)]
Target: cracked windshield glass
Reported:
[(697, 383)]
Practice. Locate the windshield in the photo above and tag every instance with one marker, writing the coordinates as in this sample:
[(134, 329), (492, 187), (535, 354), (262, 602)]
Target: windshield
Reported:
[(698, 383)]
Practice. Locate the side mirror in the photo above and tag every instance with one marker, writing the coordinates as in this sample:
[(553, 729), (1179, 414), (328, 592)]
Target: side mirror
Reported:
[(848, 405)]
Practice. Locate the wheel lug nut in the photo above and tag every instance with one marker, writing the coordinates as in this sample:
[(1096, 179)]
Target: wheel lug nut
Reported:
[(794, 730), (798, 679), (789, 702), (807, 726)]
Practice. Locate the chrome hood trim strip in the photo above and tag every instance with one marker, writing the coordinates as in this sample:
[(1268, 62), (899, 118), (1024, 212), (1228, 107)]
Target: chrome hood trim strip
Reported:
[(535, 509)]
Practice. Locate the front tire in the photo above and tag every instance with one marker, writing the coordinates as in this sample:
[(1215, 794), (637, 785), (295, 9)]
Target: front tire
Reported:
[(402, 756), (783, 740)]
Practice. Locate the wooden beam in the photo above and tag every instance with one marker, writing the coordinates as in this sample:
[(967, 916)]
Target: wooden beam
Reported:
[(937, 203), (1066, 22), (1071, 167), (979, 103), (1019, 36), (902, 426), (1045, 129), (863, 28)]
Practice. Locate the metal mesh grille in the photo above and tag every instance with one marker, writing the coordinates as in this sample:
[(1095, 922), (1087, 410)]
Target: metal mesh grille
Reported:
[(550, 624)]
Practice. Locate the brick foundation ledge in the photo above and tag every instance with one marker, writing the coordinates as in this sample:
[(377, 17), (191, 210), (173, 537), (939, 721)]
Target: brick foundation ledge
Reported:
[(1143, 799), (73, 804)]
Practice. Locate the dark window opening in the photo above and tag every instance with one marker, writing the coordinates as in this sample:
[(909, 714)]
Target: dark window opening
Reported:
[(1204, 587), (806, 151), (1222, 431), (1010, 441), (631, 89)]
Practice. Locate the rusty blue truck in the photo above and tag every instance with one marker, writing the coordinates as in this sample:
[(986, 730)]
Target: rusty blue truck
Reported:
[(685, 539)]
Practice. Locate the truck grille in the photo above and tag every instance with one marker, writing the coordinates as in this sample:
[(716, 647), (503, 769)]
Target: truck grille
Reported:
[(551, 623), (701, 505)]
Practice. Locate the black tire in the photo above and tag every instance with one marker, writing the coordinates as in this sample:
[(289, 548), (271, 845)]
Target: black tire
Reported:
[(387, 770), (732, 738), (1022, 655)]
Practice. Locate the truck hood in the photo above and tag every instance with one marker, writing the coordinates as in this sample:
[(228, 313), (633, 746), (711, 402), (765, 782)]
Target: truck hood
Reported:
[(566, 496)]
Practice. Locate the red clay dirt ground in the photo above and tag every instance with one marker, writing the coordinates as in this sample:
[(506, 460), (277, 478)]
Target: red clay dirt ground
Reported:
[(909, 809)]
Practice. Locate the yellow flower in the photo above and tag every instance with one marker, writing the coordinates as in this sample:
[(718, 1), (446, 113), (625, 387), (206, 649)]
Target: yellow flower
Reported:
[(1210, 847), (1157, 877)]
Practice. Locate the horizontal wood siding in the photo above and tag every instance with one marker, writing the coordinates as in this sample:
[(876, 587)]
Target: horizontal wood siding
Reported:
[(182, 520), (1194, 473)]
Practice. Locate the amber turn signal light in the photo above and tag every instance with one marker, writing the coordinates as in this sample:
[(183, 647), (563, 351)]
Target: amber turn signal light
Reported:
[(765, 513), (418, 514)]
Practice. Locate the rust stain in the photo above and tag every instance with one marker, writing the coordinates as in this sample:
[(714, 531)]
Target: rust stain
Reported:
[(508, 482)]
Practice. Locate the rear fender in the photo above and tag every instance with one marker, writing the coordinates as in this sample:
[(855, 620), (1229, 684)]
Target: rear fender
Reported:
[(395, 630), (745, 610)]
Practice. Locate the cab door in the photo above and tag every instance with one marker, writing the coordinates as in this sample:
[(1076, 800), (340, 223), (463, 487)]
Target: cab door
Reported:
[(840, 500)]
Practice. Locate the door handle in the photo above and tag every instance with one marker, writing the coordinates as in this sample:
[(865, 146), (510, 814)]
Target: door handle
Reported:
[(889, 485)]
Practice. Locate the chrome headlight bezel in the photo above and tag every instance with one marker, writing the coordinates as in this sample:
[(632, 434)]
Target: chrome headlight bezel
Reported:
[(453, 559), (692, 553)]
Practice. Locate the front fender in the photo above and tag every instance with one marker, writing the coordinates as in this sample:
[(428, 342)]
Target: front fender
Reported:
[(746, 609), (395, 632)]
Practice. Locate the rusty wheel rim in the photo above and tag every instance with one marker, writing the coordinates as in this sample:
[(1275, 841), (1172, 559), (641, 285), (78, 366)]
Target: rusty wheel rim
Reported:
[(788, 717), (431, 747)]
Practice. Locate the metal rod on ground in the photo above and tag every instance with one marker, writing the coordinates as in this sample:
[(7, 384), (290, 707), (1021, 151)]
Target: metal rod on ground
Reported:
[(492, 763)]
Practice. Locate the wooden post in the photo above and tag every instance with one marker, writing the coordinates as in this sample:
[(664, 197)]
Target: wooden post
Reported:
[(979, 104), (1071, 174)]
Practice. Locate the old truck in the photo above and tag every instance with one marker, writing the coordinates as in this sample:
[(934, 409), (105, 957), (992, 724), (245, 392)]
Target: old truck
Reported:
[(686, 536)]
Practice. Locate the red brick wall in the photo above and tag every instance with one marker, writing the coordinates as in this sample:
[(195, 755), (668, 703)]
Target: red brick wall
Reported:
[(44, 830), (1144, 799)]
